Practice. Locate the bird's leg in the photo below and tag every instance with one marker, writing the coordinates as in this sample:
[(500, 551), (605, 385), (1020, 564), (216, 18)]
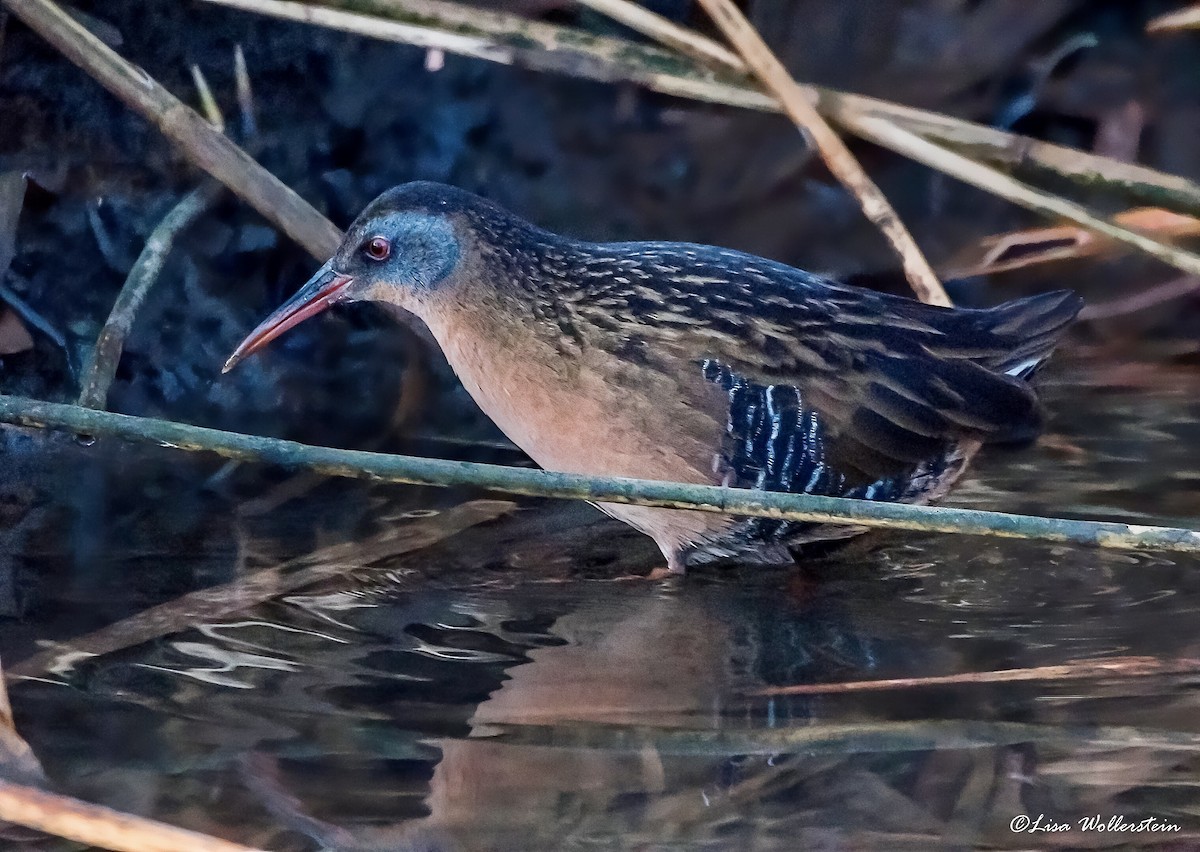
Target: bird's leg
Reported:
[(675, 562), (676, 567)]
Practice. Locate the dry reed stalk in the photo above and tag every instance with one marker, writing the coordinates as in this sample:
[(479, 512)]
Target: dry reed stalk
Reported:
[(1075, 670), (196, 139), (1182, 19), (668, 33), (63, 816), (998, 183), (836, 156), (101, 366)]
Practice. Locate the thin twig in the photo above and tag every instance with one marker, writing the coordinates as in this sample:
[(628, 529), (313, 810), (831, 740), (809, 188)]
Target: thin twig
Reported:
[(245, 94), (1021, 156), (1159, 294), (868, 737), (454, 28), (63, 816), (1181, 19), (1076, 670), (1000, 148), (208, 103), (357, 464), (668, 33), (102, 362), (6, 714), (837, 157), (990, 144), (183, 126)]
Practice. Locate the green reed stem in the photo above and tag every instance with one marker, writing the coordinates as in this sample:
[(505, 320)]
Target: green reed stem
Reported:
[(603, 489)]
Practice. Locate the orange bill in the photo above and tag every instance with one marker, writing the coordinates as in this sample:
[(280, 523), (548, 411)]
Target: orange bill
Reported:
[(322, 290)]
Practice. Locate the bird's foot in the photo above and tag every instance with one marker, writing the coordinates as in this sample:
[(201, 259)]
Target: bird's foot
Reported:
[(659, 574), (663, 572), (675, 569)]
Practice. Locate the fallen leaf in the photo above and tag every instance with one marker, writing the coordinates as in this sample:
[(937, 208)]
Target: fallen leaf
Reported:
[(1019, 249)]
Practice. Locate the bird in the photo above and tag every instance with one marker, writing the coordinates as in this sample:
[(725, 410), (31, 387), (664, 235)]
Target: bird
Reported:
[(692, 363)]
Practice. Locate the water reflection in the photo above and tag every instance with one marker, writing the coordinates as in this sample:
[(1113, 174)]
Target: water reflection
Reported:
[(478, 690)]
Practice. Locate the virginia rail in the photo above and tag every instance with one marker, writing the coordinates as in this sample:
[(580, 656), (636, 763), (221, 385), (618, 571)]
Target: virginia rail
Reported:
[(692, 363)]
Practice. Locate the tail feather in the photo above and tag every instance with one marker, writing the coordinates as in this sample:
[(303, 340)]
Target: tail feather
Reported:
[(1029, 329)]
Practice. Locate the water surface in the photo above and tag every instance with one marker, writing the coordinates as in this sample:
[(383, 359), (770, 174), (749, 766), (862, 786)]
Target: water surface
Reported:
[(502, 688)]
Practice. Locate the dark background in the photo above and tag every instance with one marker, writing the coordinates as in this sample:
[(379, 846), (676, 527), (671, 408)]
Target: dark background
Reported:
[(341, 118)]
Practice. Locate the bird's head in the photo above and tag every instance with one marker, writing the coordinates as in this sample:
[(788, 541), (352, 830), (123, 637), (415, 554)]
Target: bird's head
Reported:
[(406, 249)]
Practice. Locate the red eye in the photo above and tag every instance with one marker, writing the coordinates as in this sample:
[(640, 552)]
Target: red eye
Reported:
[(377, 248)]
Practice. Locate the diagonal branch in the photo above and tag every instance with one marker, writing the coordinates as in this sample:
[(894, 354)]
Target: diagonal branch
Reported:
[(837, 157), (512, 40), (95, 825), (1073, 670), (888, 126), (998, 183), (1020, 154), (668, 33), (203, 145), (865, 737), (1179, 20), (102, 362)]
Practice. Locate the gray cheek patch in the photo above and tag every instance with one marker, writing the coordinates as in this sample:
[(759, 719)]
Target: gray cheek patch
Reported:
[(425, 250)]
